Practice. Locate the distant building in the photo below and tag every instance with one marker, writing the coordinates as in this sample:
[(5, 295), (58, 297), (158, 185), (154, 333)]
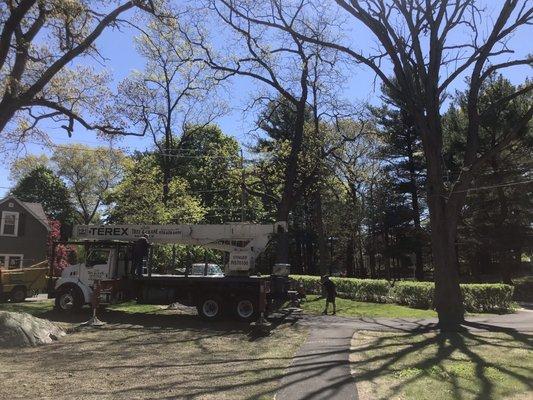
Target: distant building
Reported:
[(23, 233)]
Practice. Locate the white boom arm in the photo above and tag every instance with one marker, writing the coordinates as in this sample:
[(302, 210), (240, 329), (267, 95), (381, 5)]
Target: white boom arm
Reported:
[(243, 241)]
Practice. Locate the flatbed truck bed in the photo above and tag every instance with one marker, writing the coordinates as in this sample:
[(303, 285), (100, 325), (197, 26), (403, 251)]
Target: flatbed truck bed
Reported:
[(241, 296)]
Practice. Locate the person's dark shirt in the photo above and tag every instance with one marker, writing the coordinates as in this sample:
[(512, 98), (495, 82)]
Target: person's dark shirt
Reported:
[(140, 250), (330, 287)]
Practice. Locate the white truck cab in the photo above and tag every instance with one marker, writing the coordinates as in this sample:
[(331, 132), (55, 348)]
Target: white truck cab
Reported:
[(75, 286)]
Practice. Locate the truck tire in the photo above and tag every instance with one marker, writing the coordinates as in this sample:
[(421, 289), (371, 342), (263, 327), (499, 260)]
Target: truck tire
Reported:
[(210, 307), (246, 309), (18, 294), (69, 299)]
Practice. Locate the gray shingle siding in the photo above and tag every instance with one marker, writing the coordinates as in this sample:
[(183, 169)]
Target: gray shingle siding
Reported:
[(32, 234)]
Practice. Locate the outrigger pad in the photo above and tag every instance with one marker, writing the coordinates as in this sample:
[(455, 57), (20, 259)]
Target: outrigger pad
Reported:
[(94, 321)]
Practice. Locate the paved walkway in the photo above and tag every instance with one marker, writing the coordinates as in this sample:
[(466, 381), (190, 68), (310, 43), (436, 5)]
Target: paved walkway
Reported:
[(520, 321), (321, 370)]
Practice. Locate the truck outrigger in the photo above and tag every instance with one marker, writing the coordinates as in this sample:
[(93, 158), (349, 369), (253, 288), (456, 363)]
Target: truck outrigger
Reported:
[(109, 266)]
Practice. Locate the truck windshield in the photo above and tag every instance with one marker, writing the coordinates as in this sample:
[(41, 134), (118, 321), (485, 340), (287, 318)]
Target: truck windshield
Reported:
[(97, 257)]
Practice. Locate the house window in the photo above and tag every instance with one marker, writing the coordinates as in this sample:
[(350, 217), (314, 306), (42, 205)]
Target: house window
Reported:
[(11, 261), (9, 225)]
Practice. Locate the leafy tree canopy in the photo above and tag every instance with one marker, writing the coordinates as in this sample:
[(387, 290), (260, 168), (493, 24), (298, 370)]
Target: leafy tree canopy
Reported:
[(138, 198), (41, 185), (89, 173)]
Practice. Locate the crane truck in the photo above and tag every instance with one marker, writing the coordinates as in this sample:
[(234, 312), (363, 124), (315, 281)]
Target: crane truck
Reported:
[(108, 265)]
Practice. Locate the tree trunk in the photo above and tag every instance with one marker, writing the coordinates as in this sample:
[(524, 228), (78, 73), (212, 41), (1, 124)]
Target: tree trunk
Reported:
[(350, 257), (298, 254), (318, 222), (309, 250), (387, 257), (166, 180), (505, 251), (7, 111), (166, 157), (480, 259), (419, 264), (362, 268), (506, 266), (372, 263), (448, 297), (443, 216), (285, 205)]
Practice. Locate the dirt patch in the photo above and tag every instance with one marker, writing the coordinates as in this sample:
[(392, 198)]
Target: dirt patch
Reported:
[(22, 330), (142, 356)]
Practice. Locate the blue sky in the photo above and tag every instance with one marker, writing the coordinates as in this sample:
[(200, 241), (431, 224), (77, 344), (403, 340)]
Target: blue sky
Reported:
[(118, 47)]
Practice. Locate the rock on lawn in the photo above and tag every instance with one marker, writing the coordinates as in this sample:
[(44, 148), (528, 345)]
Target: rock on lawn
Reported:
[(22, 330)]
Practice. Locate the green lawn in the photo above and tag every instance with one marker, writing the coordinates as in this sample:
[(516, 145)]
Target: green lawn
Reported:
[(434, 366), (350, 308)]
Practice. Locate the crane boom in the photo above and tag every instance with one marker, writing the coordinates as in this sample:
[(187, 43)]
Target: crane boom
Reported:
[(244, 241)]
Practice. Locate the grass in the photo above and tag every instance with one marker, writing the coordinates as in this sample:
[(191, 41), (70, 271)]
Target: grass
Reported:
[(134, 307), (146, 352), (442, 366), (350, 308)]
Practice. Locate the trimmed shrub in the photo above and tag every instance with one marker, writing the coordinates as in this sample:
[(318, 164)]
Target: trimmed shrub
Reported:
[(413, 294), (487, 297), (476, 297), (371, 290), (311, 284)]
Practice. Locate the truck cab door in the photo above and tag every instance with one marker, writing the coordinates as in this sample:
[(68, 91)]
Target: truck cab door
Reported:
[(98, 265)]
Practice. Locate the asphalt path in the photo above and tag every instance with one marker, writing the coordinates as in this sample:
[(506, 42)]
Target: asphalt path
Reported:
[(321, 369)]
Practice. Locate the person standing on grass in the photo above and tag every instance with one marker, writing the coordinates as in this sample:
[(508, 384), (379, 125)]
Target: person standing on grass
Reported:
[(329, 287)]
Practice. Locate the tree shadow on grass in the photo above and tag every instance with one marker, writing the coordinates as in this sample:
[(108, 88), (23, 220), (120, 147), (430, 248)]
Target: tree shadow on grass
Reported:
[(471, 364), (168, 320), (194, 359), (380, 358)]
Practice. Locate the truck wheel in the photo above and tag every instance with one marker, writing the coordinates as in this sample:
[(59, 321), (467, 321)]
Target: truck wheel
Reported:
[(246, 309), (210, 308), (68, 299), (18, 294)]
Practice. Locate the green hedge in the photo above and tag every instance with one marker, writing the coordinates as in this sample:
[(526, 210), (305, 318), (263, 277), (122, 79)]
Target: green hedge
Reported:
[(476, 297), (486, 297), (370, 290), (413, 294)]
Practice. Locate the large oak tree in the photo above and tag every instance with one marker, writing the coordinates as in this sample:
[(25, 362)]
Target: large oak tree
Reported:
[(424, 48)]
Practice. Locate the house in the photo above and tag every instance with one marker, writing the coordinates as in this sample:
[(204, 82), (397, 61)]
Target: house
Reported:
[(23, 233)]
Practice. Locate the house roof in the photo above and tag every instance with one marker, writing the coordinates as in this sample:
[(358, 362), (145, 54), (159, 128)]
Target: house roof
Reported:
[(35, 209)]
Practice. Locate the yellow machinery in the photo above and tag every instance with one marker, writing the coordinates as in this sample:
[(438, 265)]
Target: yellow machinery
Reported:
[(17, 284)]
